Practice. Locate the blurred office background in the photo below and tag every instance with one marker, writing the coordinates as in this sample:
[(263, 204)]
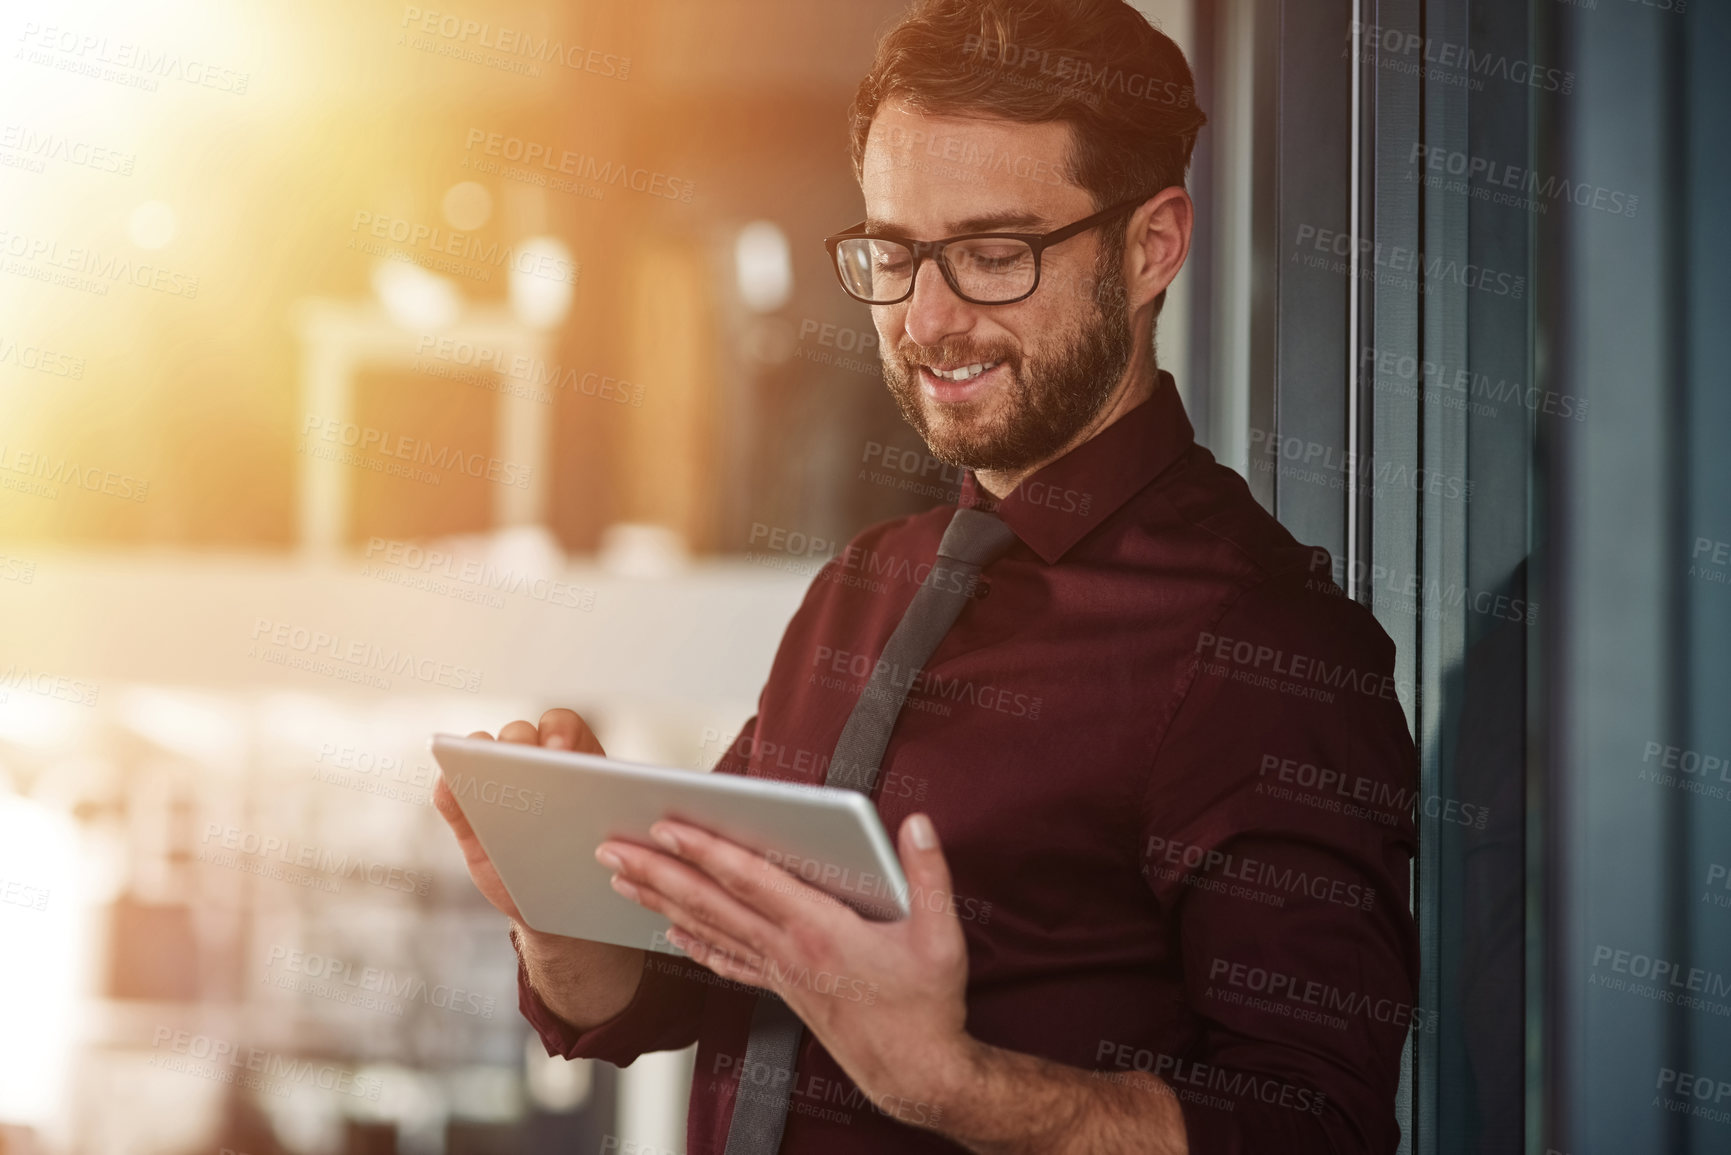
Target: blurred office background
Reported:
[(365, 371)]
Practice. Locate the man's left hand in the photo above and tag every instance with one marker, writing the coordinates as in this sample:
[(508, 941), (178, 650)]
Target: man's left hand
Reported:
[(886, 999)]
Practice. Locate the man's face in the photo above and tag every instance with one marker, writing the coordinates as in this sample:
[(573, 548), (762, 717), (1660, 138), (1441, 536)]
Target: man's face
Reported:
[(1054, 358)]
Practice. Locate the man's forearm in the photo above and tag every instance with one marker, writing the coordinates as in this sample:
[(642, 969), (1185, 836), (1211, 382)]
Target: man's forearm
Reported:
[(1006, 1103), (585, 983)]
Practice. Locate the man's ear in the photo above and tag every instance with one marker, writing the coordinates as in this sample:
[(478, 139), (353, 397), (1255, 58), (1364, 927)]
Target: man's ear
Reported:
[(1157, 242)]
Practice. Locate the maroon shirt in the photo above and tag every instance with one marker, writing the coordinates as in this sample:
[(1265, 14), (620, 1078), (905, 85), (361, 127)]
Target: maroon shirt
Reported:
[(1168, 764)]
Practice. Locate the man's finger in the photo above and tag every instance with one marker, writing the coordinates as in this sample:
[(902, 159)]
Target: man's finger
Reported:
[(710, 909), (928, 875), (781, 897), (563, 729), (445, 803), (520, 731)]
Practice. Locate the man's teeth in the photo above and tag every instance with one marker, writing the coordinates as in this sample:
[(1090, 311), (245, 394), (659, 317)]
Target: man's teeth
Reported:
[(966, 371)]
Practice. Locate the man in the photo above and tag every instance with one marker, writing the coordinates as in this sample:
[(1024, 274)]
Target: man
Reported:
[(1153, 785)]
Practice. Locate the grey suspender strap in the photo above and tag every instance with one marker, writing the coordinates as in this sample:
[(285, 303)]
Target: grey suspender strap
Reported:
[(972, 541)]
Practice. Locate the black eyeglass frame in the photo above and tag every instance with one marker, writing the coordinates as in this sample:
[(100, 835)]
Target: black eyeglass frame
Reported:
[(922, 250)]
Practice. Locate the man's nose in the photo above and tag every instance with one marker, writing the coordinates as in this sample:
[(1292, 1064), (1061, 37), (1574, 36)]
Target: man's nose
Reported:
[(934, 311)]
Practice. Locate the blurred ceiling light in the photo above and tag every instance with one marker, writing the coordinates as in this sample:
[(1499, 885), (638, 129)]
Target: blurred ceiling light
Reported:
[(151, 225), (764, 264), (543, 280), (468, 205), (416, 299), (640, 550)]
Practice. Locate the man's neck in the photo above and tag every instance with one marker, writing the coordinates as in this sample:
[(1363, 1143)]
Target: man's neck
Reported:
[(1136, 387)]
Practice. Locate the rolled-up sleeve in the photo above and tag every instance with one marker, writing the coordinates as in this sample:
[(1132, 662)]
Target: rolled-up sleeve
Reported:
[(662, 1016), (1278, 834), (667, 1008)]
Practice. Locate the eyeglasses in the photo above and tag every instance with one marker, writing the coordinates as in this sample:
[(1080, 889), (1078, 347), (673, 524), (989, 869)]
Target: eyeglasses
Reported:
[(980, 268)]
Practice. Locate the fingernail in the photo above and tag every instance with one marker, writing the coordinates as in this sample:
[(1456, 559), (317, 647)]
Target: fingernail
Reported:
[(662, 834), (557, 742), (623, 887), (608, 859), (920, 830)]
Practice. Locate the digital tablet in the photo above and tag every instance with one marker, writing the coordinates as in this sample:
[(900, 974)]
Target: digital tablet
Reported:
[(540, 814)]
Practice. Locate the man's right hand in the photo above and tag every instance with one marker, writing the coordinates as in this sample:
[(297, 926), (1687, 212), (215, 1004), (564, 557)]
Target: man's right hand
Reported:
[(583, 982)]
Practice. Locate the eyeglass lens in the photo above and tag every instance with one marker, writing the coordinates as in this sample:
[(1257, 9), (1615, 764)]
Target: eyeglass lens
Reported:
[(985, 269)]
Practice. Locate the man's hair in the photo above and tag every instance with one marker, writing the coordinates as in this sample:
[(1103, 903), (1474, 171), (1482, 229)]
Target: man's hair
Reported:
[(1098, 65)]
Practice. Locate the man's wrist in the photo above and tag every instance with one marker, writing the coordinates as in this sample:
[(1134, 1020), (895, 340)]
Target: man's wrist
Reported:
[(973, 1103)]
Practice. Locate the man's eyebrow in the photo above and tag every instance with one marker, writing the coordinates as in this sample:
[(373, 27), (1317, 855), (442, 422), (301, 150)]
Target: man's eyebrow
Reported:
[(1008, 220)]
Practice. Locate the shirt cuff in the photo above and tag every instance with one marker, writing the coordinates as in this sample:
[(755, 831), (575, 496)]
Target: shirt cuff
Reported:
[(662, 1016)]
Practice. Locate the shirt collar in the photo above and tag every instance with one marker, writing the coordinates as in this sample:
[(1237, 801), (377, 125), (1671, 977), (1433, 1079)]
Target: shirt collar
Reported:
[(1058, 505)]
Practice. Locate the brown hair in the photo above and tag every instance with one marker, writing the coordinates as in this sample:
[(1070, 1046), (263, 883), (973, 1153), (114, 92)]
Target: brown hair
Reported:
[(1098, 65)]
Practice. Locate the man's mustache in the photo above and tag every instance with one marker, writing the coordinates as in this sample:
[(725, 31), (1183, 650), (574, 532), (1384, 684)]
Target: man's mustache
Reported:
[(953, 356)]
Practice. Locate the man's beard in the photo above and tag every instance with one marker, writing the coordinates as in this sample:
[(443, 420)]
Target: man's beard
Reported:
[(1050, 396)]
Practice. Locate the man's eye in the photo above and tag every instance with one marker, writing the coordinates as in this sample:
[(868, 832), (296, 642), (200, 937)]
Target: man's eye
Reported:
[(995, 259)]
